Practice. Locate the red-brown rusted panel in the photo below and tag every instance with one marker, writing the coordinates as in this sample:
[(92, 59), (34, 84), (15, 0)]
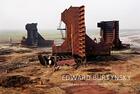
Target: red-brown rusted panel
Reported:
[(76, 41), (75, 29)]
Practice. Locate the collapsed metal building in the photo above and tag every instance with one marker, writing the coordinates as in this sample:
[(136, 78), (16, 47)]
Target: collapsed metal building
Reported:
[(109, 33), (34, 38)]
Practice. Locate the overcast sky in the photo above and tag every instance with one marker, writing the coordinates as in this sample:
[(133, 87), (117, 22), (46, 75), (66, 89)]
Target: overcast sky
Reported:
[(14, 14)]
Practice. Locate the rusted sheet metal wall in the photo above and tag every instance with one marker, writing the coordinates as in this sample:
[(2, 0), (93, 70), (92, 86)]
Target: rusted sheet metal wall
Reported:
[(75, 29), (94, 49)]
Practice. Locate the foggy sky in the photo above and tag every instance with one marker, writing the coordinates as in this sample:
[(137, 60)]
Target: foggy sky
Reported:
[(14, 14)]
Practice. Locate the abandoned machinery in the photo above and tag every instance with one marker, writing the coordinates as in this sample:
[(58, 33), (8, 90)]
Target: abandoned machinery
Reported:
[(77, 44), (34, 39)]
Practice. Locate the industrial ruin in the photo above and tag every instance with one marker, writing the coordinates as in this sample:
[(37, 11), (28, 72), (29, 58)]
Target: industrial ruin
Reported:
[(109, 32), (34, 39), (77, 44)]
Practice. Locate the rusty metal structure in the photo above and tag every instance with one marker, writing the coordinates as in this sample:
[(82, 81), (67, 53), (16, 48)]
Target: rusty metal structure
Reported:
[(34, 38), (77, 44), (110, 33)]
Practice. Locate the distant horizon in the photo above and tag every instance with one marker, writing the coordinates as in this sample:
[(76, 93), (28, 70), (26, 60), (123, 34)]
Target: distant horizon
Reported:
[(16, 35), (58, 30)]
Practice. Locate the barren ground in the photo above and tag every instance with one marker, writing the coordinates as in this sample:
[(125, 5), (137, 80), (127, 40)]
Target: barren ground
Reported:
[(21, 73)]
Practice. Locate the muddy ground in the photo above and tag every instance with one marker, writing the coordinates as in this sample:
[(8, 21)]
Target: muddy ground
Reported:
[(21, 73)]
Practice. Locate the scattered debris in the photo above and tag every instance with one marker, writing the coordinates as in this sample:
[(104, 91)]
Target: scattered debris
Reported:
[(11, 66), (14, 81), (5, 51)]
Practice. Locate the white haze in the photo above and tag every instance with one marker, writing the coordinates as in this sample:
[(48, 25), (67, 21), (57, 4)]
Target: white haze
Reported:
[(14, 14)]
